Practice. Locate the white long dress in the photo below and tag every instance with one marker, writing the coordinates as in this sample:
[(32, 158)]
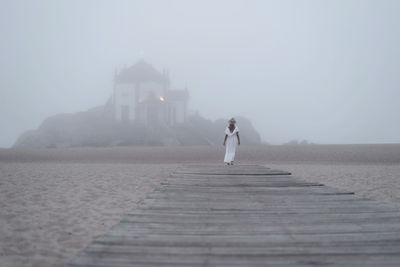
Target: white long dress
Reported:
[(231, 143)]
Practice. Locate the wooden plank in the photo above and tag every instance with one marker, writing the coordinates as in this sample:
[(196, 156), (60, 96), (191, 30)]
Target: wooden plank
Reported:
[(245, 240), (325, 259), (209, 215), (273, 249)]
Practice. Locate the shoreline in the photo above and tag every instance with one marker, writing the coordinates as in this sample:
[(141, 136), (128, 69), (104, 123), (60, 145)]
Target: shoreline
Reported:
[(384, 153)]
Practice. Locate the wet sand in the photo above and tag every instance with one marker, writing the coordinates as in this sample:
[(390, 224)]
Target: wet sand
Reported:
[(54, 202)]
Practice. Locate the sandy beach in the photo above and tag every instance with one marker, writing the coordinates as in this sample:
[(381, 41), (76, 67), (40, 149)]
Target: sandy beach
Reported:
[(54, 202), (50, 211)]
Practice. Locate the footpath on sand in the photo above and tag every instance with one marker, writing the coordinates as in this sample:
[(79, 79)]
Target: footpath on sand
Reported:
[(249, 215)]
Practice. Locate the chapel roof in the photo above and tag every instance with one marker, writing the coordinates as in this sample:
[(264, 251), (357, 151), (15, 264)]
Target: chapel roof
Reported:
[(140, 72)]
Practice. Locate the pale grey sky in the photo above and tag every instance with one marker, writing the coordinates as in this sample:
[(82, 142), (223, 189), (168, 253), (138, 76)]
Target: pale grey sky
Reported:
[(326, 71)]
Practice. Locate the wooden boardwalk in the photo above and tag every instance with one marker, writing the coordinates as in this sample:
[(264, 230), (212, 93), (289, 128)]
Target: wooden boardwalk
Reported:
[(249, 215)]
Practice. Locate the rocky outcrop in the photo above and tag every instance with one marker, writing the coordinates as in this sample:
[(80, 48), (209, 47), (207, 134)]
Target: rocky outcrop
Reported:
[(96, 128)]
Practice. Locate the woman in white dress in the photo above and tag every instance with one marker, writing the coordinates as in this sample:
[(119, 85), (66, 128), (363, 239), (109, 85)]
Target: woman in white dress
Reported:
[(231, 140)]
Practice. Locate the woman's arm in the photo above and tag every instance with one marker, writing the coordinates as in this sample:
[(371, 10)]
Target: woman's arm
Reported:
[(237, 134), (226, 136)]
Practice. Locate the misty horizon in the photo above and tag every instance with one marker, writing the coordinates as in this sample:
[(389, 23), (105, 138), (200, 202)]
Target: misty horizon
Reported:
[(326, 72)]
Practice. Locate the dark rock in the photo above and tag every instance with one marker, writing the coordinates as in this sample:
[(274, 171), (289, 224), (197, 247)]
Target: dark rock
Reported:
[(96, 128)]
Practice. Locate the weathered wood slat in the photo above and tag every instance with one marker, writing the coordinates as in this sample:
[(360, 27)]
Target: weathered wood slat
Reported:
[(325, 259), (303, 248), (246, 240), (249, 215)]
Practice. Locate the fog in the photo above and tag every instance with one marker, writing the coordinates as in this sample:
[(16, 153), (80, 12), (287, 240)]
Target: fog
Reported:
[(325, 71)]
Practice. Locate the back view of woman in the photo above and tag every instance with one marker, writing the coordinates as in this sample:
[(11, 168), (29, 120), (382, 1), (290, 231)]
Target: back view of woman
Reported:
[(231, 140)]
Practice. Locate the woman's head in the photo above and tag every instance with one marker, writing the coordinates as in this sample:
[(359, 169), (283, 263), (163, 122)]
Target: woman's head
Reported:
[(232, 121)]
